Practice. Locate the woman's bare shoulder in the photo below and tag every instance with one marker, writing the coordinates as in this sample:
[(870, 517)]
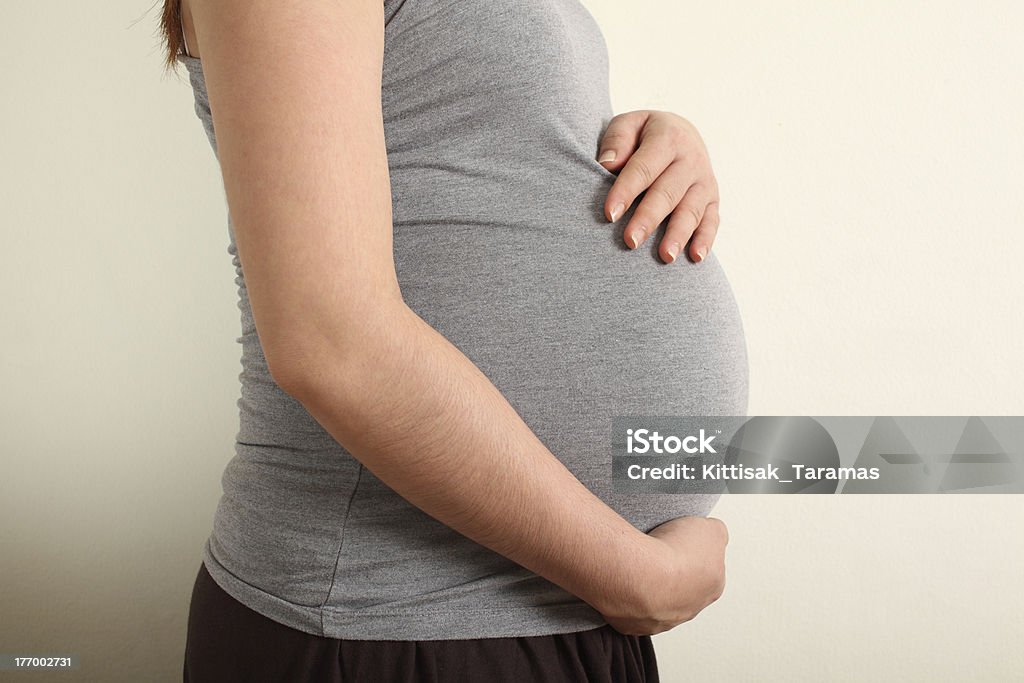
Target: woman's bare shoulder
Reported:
[(188, 30)]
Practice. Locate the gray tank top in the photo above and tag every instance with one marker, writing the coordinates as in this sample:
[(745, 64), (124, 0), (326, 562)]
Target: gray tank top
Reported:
[(493, 110)]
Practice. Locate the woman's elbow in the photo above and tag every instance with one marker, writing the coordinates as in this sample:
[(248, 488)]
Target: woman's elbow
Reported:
[(322, 345)]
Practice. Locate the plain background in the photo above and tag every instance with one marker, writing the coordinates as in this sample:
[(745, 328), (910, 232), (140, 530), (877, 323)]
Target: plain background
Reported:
[(869, 156)]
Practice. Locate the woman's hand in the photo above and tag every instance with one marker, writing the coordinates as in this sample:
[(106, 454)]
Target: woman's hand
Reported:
[(662, 153), (689, 576)]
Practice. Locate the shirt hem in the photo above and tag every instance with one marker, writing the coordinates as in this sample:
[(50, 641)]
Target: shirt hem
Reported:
[(420, 624)]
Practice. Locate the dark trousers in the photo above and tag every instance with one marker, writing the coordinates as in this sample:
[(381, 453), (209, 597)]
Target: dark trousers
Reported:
[(228, 642)]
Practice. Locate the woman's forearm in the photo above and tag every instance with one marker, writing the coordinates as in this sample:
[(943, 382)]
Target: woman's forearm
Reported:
[(428, 423)]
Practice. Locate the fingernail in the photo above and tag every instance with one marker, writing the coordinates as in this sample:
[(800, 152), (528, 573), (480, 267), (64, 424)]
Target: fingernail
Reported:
[(673, 251), (701, 254), (617, 211), (606, 156), (636, 236)]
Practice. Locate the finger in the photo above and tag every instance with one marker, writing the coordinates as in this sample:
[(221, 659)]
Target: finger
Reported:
[(648, 162), (684, 220), (704, 235), (620, 138), (658, 201)]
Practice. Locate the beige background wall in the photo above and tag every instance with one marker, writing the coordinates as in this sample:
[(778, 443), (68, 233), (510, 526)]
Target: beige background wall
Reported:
[(869, 156)]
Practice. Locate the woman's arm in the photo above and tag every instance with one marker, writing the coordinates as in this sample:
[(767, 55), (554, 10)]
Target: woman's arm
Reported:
[(295, 94)]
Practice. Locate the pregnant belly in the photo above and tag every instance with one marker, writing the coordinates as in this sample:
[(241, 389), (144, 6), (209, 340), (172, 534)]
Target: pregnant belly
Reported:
[(574, 329)]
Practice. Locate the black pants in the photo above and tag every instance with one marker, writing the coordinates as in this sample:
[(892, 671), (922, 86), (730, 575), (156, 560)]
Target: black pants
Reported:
[(227, 642)]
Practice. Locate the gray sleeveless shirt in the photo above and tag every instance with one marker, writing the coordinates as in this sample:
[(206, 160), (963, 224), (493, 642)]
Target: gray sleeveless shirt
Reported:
[(493, 110)]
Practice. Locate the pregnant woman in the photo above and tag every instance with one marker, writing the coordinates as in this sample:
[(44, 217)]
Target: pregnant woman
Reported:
[(442, 309)]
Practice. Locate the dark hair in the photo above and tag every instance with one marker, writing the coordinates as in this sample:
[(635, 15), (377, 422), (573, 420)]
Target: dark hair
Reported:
[(170, 32)]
